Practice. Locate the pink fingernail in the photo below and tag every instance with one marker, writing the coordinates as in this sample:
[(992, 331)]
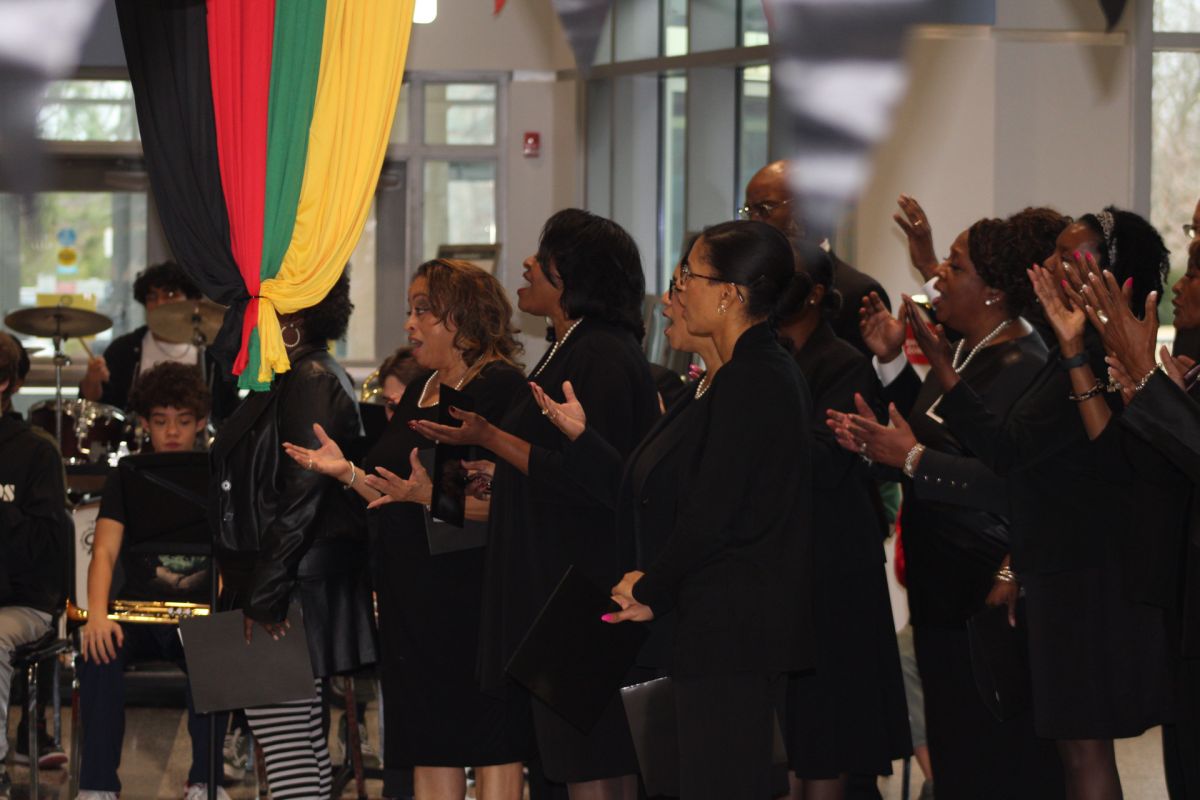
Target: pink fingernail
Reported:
[(1064, 284), (1077, 256), (607, 617), (1128, 283)]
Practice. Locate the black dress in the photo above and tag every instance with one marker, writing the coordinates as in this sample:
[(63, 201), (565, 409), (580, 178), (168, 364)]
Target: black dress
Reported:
[(545, 522), (956, 534), (850, 715), (429, 611), (1098, 661)]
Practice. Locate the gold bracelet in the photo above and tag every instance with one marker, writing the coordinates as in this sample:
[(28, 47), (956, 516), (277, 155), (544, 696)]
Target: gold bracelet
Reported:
[(1142, 383), (1089, 394)]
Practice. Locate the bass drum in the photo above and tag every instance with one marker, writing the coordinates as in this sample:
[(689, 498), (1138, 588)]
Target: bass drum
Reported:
[(85, 532), (92, 433)]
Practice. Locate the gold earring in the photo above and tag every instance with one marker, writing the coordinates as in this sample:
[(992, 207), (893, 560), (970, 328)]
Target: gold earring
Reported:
[(720, 309)]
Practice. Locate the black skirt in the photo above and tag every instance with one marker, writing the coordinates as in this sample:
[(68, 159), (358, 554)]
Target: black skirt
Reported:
[(974, 755), (1098, 662), (850, 715), (570, 756)]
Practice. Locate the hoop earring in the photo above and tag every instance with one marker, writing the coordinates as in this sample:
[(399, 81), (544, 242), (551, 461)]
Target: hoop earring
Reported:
[(285, 341)]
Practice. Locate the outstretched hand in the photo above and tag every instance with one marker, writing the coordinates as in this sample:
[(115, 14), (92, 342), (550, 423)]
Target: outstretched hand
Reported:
[(474, 430), (328, 460), (916, 228), (1067, 318), (862, 434), (568, 416), (1130, 340), (417, 489), (934, 345), (883, 334), (631, 609)]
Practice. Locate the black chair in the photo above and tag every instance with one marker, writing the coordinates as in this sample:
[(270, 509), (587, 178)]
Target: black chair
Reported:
[(28, 657)]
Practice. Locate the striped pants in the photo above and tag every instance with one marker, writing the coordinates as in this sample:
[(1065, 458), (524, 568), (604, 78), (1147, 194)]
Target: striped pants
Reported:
[(294, 746)]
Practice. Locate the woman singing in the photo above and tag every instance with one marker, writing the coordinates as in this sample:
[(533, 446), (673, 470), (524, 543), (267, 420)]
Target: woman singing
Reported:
[(736, 564), (437, 720), (587, 279), (956, 511), (290, 534)]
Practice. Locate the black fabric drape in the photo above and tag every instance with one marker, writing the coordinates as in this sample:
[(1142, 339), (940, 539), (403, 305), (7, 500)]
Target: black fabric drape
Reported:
[(166, 48)]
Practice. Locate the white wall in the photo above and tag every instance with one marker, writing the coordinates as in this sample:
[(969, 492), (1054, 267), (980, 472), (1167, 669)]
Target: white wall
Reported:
[(1032, 111)]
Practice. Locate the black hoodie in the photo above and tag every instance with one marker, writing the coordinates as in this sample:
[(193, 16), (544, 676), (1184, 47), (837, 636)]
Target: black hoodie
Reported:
[(35, 530)]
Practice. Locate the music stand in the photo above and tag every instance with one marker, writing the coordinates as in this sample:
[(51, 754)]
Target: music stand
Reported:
[(166, 513)]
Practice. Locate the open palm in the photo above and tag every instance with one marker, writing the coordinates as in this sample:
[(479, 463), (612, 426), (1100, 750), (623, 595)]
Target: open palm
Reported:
[(1068, 319), (567, 416), (328, 460), (883, 333)]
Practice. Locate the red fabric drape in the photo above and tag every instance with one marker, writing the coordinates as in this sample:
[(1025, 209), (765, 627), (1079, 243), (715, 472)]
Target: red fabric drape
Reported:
[(240, 37)]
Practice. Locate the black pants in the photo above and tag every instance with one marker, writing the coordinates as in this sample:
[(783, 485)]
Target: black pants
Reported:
[(726, 732)]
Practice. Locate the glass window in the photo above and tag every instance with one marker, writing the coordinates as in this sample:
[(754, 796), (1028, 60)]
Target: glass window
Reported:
[(674, 170), (460, 204), (675, 27), (399, 134), (753, 122), (80, 248), (359, 344), (88, 111), (754, 24), (1176, 16), (460, 113), (636, 28), (1175, 157)]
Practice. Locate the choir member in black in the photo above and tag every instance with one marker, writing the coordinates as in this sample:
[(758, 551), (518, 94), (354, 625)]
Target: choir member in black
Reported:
[(850, 716), (587, 278), (171, 402), (437, 719), (956, 511), (288, 534), (1163, 412), (644, 490), (1161, 564), (736, 565), (1098, 661)]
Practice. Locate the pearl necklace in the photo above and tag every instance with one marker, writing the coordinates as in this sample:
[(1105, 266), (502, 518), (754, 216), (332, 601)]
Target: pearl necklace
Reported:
[(702, 387), (429, 380), (554, 349), (984, 342)]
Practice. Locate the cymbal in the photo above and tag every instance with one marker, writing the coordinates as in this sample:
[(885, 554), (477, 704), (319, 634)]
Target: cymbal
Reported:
[(182, 320), (63, 321)]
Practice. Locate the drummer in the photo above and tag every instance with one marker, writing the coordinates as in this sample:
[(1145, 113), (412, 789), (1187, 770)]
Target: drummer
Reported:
[(110, 377), (172, 402)]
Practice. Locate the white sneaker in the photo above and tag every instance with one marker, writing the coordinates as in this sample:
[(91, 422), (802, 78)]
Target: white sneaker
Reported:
[(199, 791), (236, 755), (87, 794)]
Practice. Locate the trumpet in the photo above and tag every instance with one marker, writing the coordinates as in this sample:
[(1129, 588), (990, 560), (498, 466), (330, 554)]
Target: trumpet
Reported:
[(165, 613), (371, 387)]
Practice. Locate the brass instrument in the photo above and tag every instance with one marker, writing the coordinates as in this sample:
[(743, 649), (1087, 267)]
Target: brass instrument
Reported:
[(371, 387), (143, 611)]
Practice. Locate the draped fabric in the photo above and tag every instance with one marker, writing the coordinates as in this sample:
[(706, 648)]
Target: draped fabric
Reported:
[(264, 129)]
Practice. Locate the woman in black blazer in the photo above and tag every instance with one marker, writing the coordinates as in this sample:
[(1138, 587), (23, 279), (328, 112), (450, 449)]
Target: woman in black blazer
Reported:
[(587, 278), (850, 716), (643, 491), (736, 565)]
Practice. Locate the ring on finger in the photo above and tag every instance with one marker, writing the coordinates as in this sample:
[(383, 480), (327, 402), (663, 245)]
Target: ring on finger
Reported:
[(545, 412), (310, 463), (1103, 317)]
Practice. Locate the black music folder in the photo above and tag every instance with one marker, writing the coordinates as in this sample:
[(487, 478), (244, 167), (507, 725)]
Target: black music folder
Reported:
[(445, 537), (572, 660), (1000, 661), (448, 476), (166, 503), (650, 709), (227, 673)]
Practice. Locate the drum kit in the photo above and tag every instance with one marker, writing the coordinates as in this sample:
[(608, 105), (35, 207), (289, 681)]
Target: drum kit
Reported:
[(94, 433)]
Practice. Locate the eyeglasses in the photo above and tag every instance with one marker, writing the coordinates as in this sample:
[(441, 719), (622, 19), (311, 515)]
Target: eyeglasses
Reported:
[(1190, 230), (685, 273), (761, 211)]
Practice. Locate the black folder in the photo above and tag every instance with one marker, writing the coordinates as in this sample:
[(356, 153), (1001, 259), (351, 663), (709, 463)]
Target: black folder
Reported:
[(1000, 661), (572, 660), (444, 537), (650, 709), (227, 673), (448, 476)]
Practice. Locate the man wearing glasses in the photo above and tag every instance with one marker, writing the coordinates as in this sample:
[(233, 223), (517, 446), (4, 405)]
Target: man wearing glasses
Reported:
[(770, 200)]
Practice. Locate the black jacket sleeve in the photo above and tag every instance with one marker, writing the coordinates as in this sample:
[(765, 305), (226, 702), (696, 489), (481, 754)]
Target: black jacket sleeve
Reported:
[(32, 520), (596, 465), (832, 463), (903, 390), (1168, 419), (319, 398)]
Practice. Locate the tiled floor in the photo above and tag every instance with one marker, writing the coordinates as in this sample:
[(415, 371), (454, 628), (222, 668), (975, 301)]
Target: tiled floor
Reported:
[(157, 754)]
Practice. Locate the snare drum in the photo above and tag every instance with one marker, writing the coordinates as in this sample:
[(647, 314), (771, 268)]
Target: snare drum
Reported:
[(91, 432)]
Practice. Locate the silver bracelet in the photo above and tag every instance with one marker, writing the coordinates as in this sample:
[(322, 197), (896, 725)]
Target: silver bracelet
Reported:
[(1142, 383), (353, 475), (910, 465)]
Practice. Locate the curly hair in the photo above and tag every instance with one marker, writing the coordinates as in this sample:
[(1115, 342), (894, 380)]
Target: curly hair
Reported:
[(1140, 253), (328, 320), (474, 303), (10, 367), (170, 384), (599, 268), (401, 365), (167, 275), (1002, 251)]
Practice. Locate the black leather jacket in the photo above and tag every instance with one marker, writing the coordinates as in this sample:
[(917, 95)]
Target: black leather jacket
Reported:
[(285, 533)]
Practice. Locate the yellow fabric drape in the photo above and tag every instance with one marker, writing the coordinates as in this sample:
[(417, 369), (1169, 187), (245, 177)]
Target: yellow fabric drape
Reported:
[(362, 65)]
